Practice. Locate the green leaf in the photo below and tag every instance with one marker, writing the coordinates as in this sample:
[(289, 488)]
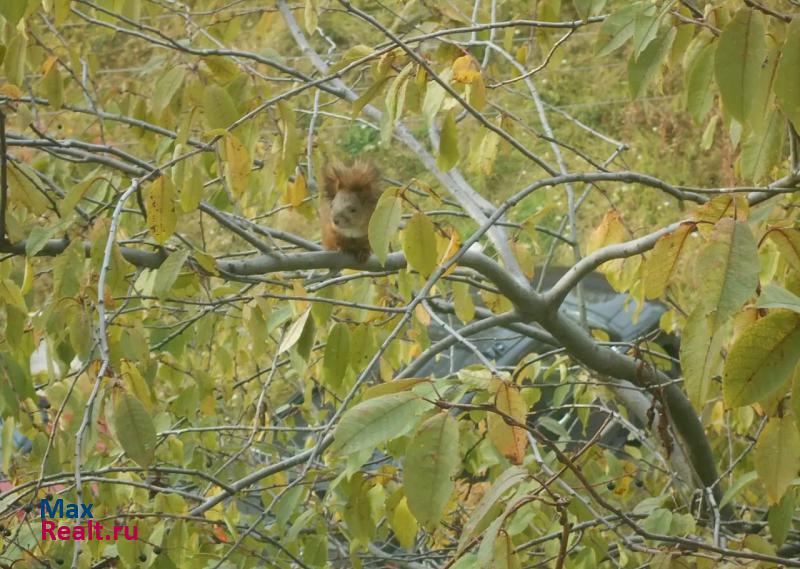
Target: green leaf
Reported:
[(337, 354), (38, 238), (762, 359), (787, 82), (218, 107), (419, 244), (448, 143), (166, 88), (701, 356), (377, 420), (645, 29), (434, 97), (53, 86), (642, 69), (780, 517), (659, 521), (699, 96), (15, 59), (740, 52), (728, 267), (774, 296), (384, 223), (762, 150), (310, 17), (168, 272), (738, 485), (13, 10), (432, 459), (777, 456), (134, 429), (617, 29)]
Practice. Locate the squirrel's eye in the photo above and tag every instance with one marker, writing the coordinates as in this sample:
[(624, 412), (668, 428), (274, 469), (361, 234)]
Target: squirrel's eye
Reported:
[(352, 209)]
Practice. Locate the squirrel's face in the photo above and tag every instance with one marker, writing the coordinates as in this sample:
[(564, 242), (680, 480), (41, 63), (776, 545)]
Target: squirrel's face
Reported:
[(350, 213)]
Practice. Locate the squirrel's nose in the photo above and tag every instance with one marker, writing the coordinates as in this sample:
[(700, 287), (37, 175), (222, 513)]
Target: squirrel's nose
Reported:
[(338, 219)]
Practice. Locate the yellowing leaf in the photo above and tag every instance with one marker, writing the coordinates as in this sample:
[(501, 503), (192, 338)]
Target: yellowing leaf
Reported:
[(777, 456), (723, 206), (53, 84), (432, 459), (310, 17), (740, 52), (394, 386), (727, 270), (237, 165), (701, 357), (294, 332), (337, 354), (448, 143), (161, 215), (384, 223), (762, 358), (218, 107), (136, 383), (206, 262), (610, 231), (762, 150), (134, 429), (166, 88), (480, 516), (466, 70), (419, 238), (377, 420), (453, 245), (511, 441), (297, 191), (787, 241), (404, 524), (462, 301), (663, 260), (787, 82)]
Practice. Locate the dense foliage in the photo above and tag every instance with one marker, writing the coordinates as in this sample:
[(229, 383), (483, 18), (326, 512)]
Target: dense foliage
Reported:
[(179, 352)]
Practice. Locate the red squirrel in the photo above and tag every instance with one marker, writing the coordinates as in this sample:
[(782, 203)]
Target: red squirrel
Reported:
[(349, 196)]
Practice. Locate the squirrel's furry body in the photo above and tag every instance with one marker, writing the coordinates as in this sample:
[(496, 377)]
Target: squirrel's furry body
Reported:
[(349, 196)]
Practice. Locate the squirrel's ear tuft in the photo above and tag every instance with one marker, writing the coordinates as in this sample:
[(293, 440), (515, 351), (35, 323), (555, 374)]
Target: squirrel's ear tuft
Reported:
[(331, 178)]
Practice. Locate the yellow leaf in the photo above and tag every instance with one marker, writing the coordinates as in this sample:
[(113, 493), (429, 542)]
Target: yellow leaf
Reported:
[(296, 191), (508, 439), (466, 70), (161, 216), (663, 261), (237, 167), (777, 456), (609, 232), (418, 239)]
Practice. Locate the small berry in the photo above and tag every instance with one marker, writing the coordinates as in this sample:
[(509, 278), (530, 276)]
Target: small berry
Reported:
[(611, 486), (157, 550), (28, 508), (142, 557), (639, 483), (48, 496), (59, 561)]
